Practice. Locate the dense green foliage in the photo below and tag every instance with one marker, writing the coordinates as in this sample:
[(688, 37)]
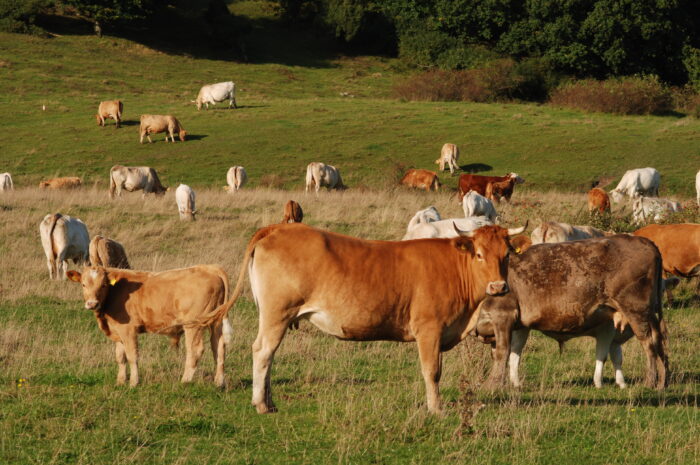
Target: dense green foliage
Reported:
[(19, 15)]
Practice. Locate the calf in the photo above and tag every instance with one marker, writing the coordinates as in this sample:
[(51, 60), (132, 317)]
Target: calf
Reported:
[(63, 238), (184, 196), (108, 253), (449, 155), (475, 204), (153, 124), (421, 179), (646, 209), (598, 201), (70, 182), (109, 109), (292, 212)]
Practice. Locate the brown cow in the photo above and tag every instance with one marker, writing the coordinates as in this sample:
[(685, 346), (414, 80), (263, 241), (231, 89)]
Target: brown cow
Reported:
[(598, 201), (362, 290), (70, 182), (153, 124), (292, 212), (126, 303), (521, 243), (496, 191), (108, 253), (421, 179), (679, 245), (475, 182), (109, 109)]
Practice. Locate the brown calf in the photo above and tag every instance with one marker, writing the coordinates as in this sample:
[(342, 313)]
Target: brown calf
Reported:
[(421, 179), (598, 201), (292, 212), (108, 253)]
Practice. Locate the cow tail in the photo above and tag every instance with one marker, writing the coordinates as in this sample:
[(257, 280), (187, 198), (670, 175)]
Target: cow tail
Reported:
[(112, 183), (121, 109), (54, 219)]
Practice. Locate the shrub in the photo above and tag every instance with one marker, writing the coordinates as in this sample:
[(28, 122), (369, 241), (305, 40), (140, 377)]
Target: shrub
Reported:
[(626, 96), (19, 15), (686, 100)]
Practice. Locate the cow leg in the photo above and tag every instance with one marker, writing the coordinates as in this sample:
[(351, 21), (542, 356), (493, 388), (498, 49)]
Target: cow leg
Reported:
[(131, 346), (669, 291), (218, 348), (649, 335), (616, 357), (120, 353), (431, 365), (148, 136), (266, 343), (518, 339), (195, 348), (603, 340), (51, 265)]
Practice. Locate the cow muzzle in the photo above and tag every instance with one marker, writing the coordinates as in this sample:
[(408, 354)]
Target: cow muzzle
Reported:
[(497, 288), (92, 304)]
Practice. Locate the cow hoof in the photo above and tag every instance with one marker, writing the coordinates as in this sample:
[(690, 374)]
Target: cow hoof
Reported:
[(623, 386), (262, 408)]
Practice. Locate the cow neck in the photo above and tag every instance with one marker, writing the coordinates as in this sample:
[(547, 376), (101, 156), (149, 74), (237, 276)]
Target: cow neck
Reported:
[(468, 287)]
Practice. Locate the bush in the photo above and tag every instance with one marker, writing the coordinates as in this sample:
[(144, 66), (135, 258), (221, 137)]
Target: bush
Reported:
[(626, 96), (686, 100), (19, 15)]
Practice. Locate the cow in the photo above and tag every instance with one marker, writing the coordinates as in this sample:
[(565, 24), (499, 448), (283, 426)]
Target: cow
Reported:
[(70, 182), (449, 155), (184, 196), (236, 177), (422, 227), (126, 303), (153, 124), (475, 204), (63, 238), (109, 109), (475, 182), (598, 201), (593, 287), (551, 232), (320, 175), (134, 178), (421, 179), (214, 93), (697, 186), (108, 253), (292, 212), (363, 290), (6, 183), (637, 182), (679, 245), (645, 209)]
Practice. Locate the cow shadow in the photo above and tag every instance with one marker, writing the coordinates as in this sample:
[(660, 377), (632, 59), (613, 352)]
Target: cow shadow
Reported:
[(130, 123), (196, 136), (476, 167)]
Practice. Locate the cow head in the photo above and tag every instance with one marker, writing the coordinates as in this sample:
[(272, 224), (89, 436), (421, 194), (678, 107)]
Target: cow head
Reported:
[(518, 179), (198, 102), (96, 283), (616, 196), (182, 134), (99, 120)]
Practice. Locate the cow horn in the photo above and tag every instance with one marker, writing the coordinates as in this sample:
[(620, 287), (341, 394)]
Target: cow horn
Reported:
[(520, 230), (462, 233)]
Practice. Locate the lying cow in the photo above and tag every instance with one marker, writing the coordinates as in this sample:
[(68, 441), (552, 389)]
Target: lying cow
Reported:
[(108, 253), (475, 182), (598, 201), (637, 182), (184, 196), (580, 288), (134, 178), (551, 232), (6, 183), (153, 124), (236, 177), (126, 303), (63, 238), (109, 109), (646, 209), (449, 155), (421, 179), (320, 175), (445, 228), (292, 212), (363, 290), (215, 93), (475, 204), (69, 182)]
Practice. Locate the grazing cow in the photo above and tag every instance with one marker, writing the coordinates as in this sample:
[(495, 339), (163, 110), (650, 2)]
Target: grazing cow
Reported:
[(424, 226), (214, 93), (598, 201), (134, 178), (363, 290), (697, 186), (63, 238), (109, 109), (292, 212), (421, 179), (449, 155), (6, 183), (153, 124), (126, 303), (70, 182), (475, 204), (108, 253), (637, 182), (593, 288), (184, 196), (236, 177), (551, 232), (645, 209), (679, 245), (521, 243), (320, 175), (475, 182)]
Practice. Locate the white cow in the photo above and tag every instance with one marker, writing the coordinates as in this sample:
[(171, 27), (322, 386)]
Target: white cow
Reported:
[(475, 204), (6, 183), (448, 155), (214, 93), (423, 225), (551, 232), (321, 175), (184, 196), (236, 177), (427, 215), (645, 209), (64, 238), (133, 178), (697, 186), (637, 182)]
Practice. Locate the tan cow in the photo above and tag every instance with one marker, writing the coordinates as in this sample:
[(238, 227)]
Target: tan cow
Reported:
[(70, 182), (320, 175), (449, 155), (552, 232), (126, 303), (236, 177), (292, 212), (134, 178), (108, 253), (6, 183), (598, 201), (63, 238), (153, 124), (421, 179), (109, 109), (362, 290)]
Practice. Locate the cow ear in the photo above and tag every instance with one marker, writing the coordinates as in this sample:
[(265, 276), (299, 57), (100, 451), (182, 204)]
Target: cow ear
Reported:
[(465, 245), (74, 276)]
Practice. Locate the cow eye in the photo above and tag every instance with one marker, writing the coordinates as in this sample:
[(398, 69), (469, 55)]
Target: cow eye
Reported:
[(479, 256)]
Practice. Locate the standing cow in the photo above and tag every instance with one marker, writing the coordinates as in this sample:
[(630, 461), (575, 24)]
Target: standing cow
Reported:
[(449, 155), (6, 183), (236, 177), (478, 183), (154, 124), (320, 175), (475, 204), (134, 178), (214, 93), (292, 212), (108, 253), (63, 238), (109, 109), (184, 196), (637, 182)]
